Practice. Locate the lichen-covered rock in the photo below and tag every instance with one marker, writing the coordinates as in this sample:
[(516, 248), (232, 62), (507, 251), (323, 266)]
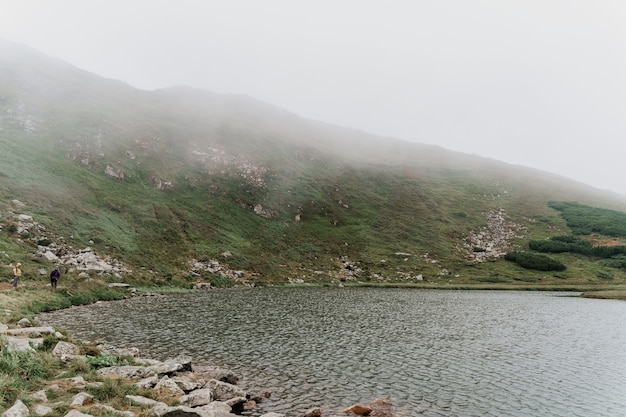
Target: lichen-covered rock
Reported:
[(223, 391), (65, 348), (197, 398), (127, 372), (18, 409), (166, 388)]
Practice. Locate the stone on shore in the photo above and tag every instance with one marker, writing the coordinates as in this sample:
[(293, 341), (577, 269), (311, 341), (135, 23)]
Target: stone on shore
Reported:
[(31, 331), (23, 344), (223, 391), (169, 367), (65, 348), (215, 372), (41, 410), (148, 382), (273, 415), (197, 398), (126, 372), (18, 409), (166, 388)]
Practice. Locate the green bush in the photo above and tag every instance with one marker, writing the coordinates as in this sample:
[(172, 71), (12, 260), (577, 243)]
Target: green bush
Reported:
[(535, 261)]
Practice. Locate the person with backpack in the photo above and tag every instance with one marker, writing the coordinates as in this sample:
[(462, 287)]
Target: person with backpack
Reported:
[(17, 273), (54, 277)]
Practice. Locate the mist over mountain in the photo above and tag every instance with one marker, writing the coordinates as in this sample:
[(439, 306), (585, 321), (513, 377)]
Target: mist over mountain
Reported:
[(181, 184)]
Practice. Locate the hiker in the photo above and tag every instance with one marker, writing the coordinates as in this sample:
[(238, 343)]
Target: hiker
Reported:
[(17, 273), (54, 277)]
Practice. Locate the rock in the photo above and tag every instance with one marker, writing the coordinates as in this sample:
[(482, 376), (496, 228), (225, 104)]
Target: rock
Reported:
[(139, 400), (261, 396), (146, 361), (22, 344), (148, 382), (312, 412), (80, 399), (180, 411), (188, 382), (77, 382), (83, 275), (41, 410), (112, 410), (237, 404), (65, 348), (223, 391), (197, 398), (202, 286), (215, 372), (50, 257), (3, 328), (358, 409), (31, 331), (24, 323), (76, 413), (127, 372), (179, 364), (119, 285), (273, 415), (216, 409), (18, 409), (166, 388), (40, 396)]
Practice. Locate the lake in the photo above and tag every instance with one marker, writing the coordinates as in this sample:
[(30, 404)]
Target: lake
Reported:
[(435, 353)]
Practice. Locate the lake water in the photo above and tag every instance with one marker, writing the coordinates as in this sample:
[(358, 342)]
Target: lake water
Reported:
[(435, 353)]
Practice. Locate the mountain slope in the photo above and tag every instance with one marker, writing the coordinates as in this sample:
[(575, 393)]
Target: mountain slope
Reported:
[(184, 184)]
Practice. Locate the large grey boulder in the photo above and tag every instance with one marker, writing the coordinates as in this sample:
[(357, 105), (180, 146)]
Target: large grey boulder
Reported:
[(169, 367), (166, 388), (127, 372), (197, 398), (139, 400), (223, 391), (80, 399), (23, 344), (65, 348), (41, 410), (18, 409), (31, 331), (208, 372)]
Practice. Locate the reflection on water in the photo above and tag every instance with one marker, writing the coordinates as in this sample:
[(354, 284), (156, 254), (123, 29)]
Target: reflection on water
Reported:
[(436, 353)]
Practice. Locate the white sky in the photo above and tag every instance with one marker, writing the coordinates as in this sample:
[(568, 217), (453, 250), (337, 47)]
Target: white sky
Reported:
[(540, 83)]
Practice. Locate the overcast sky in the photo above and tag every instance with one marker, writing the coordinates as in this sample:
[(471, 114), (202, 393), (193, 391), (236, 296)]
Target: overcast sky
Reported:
[(540, 83)]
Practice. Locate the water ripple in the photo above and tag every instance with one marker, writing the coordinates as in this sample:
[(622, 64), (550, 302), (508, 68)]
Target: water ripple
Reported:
[(436, 353)]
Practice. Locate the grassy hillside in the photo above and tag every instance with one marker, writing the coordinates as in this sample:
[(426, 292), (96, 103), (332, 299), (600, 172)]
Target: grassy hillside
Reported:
[(166, 180)]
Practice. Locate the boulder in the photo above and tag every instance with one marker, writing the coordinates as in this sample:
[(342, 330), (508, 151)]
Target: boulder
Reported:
[(358, 409), (110, 410), (127, 372), (24, 323), (3, 328), (273, 415), (188, 381), (41, 410), (197, 398), (148, 382), (31, 331), (223, 391), (76, 413), (139, 400), (18, 409), (80, 399), (215, 372), (312, 412), (169, 367), (166, 388), (39, 396), (22, 344), (65, 348)]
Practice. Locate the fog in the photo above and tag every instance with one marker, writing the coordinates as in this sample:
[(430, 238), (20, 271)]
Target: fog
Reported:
[(538, 83)]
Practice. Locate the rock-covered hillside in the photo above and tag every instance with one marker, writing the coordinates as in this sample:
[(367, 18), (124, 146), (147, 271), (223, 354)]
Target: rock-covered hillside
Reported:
[(191, 186)]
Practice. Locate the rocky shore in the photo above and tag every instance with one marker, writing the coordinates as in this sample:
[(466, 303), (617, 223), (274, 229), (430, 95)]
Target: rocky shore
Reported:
[(135, 386)]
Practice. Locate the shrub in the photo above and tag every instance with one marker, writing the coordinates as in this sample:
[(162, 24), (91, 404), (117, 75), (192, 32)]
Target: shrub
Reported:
[(535, 261)]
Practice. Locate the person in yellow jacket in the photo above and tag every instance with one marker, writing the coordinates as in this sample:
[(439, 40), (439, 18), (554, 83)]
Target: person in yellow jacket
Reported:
[(17, 273)]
